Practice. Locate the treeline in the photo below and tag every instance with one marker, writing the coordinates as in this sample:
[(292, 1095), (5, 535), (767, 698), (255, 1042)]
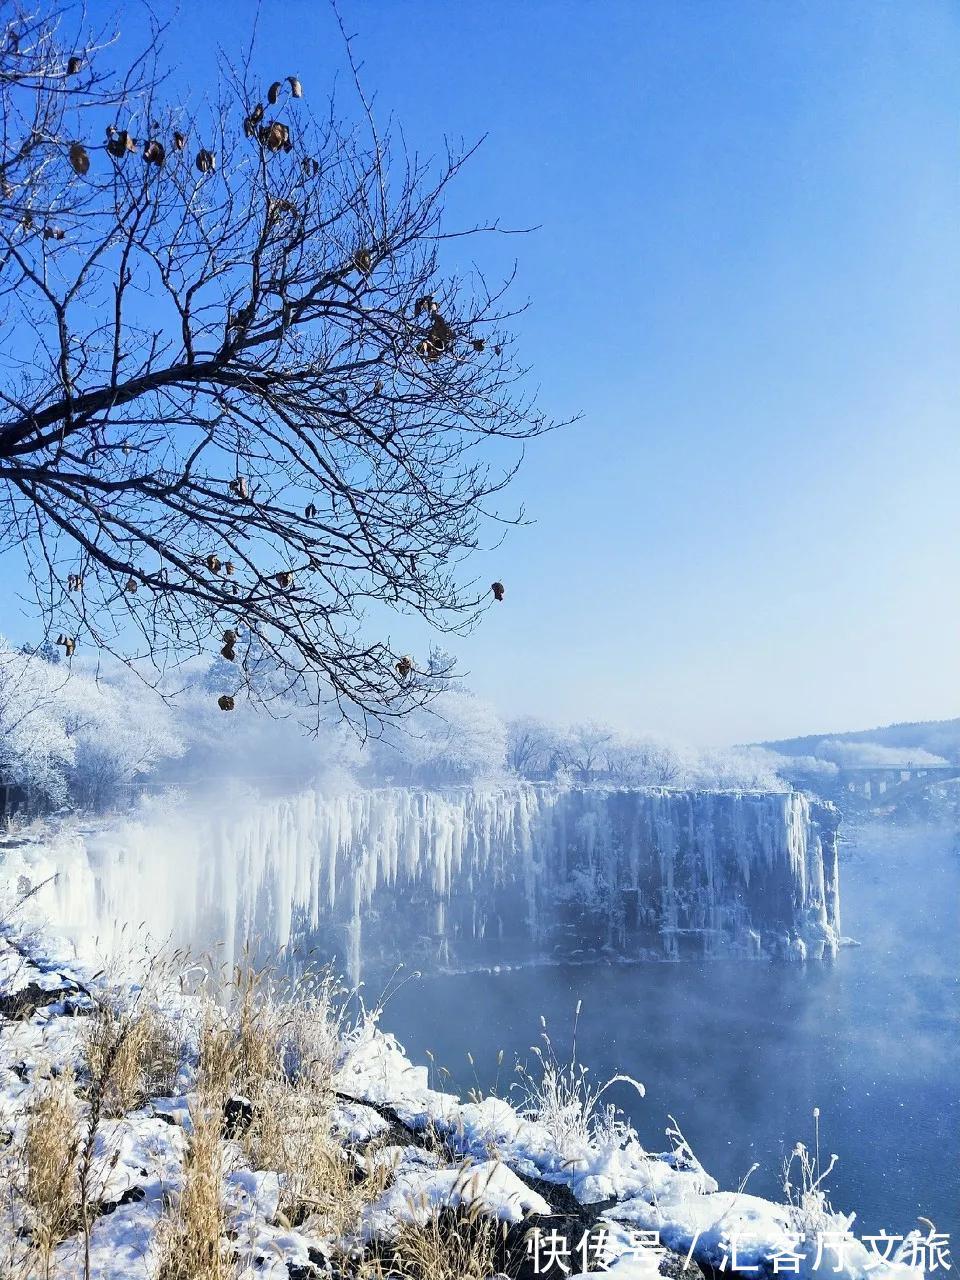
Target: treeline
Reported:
[(89, 738)]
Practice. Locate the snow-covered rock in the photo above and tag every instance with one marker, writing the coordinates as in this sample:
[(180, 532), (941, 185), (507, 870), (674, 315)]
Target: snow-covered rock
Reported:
[(418, 1191), (483, 1153)]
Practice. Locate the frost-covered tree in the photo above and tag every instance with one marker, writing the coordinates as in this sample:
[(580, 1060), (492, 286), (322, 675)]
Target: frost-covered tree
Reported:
[(747, 768), (35, 748), (70, 737), (583, 750), (533, 747), (47, 651), (644, 762), (458, 738), (120, 733)]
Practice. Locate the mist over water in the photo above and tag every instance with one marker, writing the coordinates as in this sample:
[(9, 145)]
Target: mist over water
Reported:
[(740, 1053)]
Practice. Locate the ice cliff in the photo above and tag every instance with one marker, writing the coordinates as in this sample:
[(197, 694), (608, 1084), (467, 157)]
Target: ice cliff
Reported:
[(462, 875)]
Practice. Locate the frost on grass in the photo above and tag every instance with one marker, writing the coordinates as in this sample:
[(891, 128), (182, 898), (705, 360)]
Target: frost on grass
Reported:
[(228, 1125)]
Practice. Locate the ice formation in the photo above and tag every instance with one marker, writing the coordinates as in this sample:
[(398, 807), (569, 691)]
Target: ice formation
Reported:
[(463, 875)]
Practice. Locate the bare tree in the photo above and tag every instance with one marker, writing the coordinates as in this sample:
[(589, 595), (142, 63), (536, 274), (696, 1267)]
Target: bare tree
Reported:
[(241, 402), (643, 762), (584, 750), (532, 747)]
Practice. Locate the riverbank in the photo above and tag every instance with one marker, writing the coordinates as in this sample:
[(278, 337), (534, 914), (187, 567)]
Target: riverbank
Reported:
[(153, 1130)]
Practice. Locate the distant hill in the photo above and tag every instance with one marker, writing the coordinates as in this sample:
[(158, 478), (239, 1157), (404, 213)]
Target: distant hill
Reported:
[(939, 737)]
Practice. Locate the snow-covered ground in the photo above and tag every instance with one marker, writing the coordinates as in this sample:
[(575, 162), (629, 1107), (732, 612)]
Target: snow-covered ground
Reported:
[(521, 1165)]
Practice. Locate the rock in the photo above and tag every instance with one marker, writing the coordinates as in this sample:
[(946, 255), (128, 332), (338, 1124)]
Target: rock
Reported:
[(319, 1267), (20, 1005), (559, 1197), (676, 1267), (394, 1135), (237, 1116), (132, 1195)]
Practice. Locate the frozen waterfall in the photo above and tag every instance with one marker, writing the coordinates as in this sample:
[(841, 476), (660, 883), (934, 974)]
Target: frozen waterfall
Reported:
[(463, 875)]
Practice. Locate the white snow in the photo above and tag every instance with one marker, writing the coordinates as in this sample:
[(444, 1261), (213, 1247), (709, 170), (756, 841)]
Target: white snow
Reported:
[(418, 1191), (246, 867), (662, 1193)]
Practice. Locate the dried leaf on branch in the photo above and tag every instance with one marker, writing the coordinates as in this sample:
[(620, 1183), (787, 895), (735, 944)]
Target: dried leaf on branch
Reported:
[(276, 331), (120, 143), (79, 158)]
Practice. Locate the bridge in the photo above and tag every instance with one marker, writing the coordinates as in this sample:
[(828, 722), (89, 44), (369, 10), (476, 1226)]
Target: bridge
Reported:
[(870, 782)]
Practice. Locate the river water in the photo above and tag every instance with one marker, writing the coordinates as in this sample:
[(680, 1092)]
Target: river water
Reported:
[(741, 1053)]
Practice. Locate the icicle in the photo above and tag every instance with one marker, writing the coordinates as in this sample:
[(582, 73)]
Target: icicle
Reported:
[(721, 867)]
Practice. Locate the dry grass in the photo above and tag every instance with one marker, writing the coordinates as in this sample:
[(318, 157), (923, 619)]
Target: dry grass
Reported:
[(260, 1030), (191, 1238), (322, 1183), (130, 1055), (49, 1165), (560, 1096), (803, 1176), (274, 1044), (452, 1244), (285, 1042), (217, 1059)]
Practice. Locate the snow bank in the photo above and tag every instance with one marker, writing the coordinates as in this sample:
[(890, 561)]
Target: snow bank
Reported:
[(667, 1193)]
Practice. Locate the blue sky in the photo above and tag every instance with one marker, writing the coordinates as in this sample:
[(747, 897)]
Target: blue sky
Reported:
[(746, 279)]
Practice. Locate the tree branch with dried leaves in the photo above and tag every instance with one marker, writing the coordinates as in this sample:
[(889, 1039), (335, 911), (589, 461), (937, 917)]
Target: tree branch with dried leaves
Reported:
[(241, 399)]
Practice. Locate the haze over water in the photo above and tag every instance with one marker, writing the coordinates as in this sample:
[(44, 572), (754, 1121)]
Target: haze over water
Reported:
[(740, 1053)]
